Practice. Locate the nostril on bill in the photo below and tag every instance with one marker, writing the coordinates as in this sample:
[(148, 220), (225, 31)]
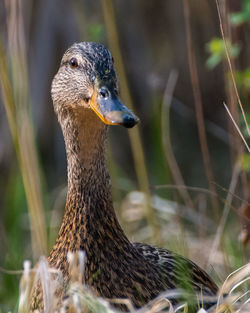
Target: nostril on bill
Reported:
[(104, 93)]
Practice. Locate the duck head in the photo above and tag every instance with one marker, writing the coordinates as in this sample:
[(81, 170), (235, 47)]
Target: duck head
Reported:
[(87, 80)]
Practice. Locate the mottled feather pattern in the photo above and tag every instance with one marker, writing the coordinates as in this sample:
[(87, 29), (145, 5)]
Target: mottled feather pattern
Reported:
[(169, 262), (114, 267)]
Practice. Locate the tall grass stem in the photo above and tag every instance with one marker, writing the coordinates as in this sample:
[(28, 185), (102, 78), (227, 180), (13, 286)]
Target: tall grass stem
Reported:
[(199, 107), (166, 140), (16, 99)]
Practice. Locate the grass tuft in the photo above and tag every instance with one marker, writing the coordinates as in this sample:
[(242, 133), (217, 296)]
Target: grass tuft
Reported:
[(233, 295)]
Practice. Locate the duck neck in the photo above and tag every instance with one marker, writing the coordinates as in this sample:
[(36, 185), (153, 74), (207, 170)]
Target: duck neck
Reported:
[(89, 222)]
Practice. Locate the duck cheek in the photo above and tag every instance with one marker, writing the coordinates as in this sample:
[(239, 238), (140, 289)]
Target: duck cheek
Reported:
[(84, 103), (85, 99)]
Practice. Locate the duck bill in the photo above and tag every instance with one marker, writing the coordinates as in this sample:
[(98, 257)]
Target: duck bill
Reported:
[(111, 111)]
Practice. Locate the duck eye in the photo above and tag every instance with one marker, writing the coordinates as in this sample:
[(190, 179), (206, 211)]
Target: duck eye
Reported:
[(73, 63)]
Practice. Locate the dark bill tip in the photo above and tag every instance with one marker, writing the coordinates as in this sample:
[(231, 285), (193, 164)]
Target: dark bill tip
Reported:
[(130, 121), (122, 117)]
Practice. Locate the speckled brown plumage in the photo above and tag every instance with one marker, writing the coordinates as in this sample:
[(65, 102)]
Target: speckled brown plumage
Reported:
[(115, 267)]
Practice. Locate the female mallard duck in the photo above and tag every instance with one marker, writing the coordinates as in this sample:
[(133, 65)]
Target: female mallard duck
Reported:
[(85, 98)]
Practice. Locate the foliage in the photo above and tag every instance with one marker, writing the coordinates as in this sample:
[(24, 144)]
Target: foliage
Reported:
[(243, 16), (243, 79), (245, 162), (217, 51)]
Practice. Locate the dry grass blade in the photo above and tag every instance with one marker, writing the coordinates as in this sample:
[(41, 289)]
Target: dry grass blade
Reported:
[(16, 99), (207, 191), (236, 126), (198, 107), (25, 289), (161, 305), (126, 302), (7, 95), (243, 306), (225, 213), (244, 295), (234, 280), (43, 274), (165, 131), (191, 188), (80, 297), (230, 66), (234, 195)]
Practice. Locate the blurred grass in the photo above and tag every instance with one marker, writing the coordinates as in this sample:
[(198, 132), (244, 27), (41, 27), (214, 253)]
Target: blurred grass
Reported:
[(193, 69), (232, 295), (15, 251), (22, 135), (166, 139), (15, 96)]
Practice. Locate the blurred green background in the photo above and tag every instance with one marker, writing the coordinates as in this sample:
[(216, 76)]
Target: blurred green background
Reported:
[(154, 43)]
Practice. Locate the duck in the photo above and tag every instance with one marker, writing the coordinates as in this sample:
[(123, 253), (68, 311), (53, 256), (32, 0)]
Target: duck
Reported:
[(85, 95)]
